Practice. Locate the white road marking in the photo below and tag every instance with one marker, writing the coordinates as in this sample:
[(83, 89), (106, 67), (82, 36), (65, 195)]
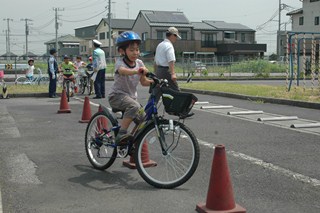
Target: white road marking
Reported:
[(270, 166)]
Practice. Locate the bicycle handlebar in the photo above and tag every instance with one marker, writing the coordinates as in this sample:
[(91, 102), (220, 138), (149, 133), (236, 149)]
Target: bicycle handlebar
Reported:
[(156, 79)]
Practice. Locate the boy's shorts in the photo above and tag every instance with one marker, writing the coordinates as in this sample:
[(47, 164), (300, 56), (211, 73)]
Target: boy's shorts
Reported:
[(131, 107)]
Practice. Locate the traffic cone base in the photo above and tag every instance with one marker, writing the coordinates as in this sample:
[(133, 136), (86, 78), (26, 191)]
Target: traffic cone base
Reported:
[(86, 112), (132, 165), (145, 159), (64, 106), (201, 208), (220, 193)]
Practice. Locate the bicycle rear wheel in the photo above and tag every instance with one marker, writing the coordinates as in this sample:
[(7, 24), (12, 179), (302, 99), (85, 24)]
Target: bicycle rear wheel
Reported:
[(68, 90), (21, 80), (177, 164), (44, 80), (99, 141)]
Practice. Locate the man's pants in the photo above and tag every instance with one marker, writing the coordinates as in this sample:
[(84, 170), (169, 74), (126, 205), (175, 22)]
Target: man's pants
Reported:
[(52, 85), (99, 83), (164, 73)]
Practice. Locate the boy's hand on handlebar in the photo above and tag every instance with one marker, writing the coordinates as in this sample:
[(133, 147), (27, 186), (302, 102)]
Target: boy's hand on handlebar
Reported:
[(143, 70)]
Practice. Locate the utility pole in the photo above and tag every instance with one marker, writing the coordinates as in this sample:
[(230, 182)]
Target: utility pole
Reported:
[(279, 33), (57, 26), (109, 20), (27, 33), (8, 35)]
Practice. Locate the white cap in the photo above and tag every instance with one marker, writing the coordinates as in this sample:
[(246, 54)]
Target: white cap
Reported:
[(97, 42), (174, 31)]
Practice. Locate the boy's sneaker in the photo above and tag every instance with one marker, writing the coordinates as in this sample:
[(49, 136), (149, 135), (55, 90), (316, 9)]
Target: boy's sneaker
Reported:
[(123, 139)]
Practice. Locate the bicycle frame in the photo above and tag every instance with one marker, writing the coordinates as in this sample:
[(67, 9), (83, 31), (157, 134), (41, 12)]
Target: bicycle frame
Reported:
[(150, 118)]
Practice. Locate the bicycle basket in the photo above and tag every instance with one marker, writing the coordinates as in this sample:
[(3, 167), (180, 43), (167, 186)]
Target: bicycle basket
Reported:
[(177, 103)]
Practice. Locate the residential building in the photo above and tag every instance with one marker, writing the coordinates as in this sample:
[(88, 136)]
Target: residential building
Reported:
[(67, 45), (305, 19), (199, 39), (117, 27), (87, 34)]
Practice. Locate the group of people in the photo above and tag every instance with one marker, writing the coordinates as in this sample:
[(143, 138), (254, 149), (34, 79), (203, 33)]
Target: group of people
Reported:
[(95, 70), (129, 72)]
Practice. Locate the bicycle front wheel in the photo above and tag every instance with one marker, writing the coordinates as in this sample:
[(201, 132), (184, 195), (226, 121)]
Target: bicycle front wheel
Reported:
[(176, 163), (99, 141), (44, 80)]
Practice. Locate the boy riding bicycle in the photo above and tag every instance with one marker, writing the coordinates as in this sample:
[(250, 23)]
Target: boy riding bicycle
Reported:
[(129, 71), (67, 68)]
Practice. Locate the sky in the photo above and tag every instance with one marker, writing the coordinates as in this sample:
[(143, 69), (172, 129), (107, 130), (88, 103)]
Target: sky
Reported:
[(259, 15)]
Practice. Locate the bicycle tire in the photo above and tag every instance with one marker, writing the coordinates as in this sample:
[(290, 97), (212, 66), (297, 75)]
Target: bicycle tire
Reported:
[(68, 90), (89, 86), (44, 81), (94, 126), (82, 86), (174, 168), (21, 80)]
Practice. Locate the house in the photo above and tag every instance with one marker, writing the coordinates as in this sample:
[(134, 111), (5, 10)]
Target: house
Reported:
[(8, 56), (29, 55), (199, 39), (152, 27), (117, 27), (67, 45), (87, 34), (305, 19)]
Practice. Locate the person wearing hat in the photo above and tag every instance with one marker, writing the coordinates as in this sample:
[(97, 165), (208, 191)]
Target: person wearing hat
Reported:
[(99, 67), (165, 58), (30, 70), (52, 71)]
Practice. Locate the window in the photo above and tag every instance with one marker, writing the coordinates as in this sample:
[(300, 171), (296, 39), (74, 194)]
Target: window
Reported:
[(314, 0), (316, 20), (102, 36), (161, 34), (208, 40), (301, 20), (144, 36), (243, 37), (229, 35), (184, 35)]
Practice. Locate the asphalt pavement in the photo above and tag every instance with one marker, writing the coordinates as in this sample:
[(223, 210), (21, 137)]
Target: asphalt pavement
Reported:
[(44, 167)]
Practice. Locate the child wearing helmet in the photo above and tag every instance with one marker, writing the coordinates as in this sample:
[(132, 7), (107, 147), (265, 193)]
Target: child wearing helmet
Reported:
[(67, 68), (30, 70), (129, 71)]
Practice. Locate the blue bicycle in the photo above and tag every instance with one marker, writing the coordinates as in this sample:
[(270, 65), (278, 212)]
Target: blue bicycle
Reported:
[(168, 142)]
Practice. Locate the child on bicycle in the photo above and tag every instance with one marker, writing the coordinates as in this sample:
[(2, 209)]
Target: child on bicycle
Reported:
[(90, 71), (80, 67), (67, 68), (129, 71), (30, 70)]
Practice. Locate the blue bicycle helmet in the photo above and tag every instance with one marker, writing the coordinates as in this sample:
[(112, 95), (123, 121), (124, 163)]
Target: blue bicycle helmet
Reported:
[(127, 37)]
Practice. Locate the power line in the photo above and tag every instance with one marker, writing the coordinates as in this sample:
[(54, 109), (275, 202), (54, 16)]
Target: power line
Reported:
[(83, 19)]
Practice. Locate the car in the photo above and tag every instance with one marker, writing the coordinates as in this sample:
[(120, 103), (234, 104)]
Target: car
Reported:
[(199, 67)]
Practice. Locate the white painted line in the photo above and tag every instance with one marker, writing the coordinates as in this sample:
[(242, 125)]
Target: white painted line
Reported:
[(283, 118), (270, 166), (201, 102), (245, 112), (82, 100), (310, 125), (217, 107)]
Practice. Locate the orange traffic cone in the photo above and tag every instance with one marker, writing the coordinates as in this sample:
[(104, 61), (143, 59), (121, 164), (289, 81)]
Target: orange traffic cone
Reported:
[(86, 112), (64, 106), (145, 159), (220, 193)]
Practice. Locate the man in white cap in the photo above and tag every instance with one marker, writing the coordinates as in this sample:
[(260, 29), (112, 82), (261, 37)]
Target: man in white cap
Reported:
[(99, 67), (165, 58)]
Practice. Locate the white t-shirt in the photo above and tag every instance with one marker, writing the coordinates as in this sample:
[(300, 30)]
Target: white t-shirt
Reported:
[(126, 84), (164, 53), (30, 70)]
